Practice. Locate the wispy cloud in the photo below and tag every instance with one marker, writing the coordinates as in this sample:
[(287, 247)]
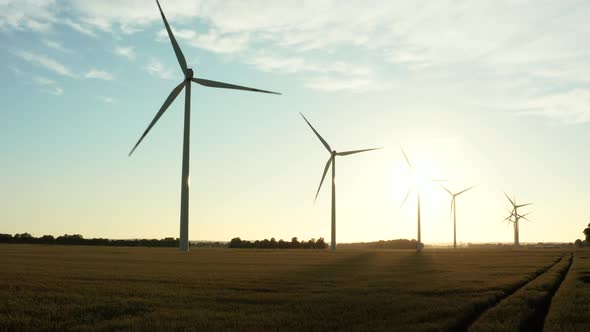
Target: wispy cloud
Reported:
[(345, 84), (56, 91), (99, 74), (38, 26), (45, 62), (126, 51), (157, 69), (40, 80), (55, 45), (78, 27), (38, 16), (539, 45), (106, 100), (570, 107), (211, 40), (48, 85)]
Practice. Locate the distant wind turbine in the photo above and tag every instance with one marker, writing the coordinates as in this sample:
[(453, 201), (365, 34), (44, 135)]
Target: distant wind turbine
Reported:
[(419, 245), (186, 83), (332, 162), (515, 217), (454, 211)]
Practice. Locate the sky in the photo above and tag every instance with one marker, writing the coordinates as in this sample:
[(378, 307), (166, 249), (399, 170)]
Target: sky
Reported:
[(488, 93)]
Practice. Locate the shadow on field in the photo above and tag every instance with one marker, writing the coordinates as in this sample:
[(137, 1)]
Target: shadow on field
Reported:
[(334, 269)]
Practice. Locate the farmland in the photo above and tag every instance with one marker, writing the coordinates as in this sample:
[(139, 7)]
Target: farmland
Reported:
[(105, 288)]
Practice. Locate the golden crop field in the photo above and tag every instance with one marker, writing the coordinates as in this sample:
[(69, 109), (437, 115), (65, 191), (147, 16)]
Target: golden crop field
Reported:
[(105, 288)]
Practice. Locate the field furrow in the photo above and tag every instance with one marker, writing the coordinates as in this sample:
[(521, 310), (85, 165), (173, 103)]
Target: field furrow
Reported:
[(525, 309), (570, 307)]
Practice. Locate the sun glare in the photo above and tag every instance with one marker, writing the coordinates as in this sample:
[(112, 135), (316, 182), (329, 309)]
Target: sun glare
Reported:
[(422, 176)]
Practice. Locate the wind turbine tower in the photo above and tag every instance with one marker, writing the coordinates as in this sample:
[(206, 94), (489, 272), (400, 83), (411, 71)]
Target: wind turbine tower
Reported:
[(454, 210), (332, 162), (515, 217), (189, 77)]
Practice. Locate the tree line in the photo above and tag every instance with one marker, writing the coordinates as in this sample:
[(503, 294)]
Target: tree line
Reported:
[(388, 244), (586, 242), (280, 244), (77, 239)]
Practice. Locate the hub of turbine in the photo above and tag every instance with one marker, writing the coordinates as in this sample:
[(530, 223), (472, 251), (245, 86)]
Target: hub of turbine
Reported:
[(334, 152), (189, 74)]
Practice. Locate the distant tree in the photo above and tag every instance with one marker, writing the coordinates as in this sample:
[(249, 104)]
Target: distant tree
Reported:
[(578, 243), (5, 238), (236, 242), (321, 244), (47, 239), (23, 238), (587, 233)]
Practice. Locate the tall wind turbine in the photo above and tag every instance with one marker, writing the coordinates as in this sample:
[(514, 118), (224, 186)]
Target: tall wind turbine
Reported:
[(186, 83), (332, 162), (419, 245), (514, 214), (454, 210)]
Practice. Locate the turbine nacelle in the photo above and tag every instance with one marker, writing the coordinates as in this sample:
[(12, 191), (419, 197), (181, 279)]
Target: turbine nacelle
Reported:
[(189, 74)]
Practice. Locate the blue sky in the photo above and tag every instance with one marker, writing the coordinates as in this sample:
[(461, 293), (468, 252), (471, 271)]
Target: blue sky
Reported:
[(489, 93)]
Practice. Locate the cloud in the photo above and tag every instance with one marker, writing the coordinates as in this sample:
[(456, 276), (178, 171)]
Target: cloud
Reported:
[(126, 51), (55, 45), (106, 100), (338, 84), (48, 85), (46, 62), (490, 48), (157, 69), (35, 15), (40, 80), (56, 91), (38, 26), (211, 40), (571, 107), (99, 74), (80, 28)]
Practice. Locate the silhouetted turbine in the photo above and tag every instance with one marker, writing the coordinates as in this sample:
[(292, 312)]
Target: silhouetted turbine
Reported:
[(419, 245), (186, 83), (332, 162), (514, 214), (454, 211)]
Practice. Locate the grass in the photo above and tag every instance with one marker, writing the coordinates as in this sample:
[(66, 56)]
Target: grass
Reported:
[(570, 308), (102, 288)]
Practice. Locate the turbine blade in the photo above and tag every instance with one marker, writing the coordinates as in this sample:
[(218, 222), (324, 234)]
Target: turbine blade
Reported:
[(318, 135), (407, 159), (447, 190), (177, 51), (163, 109), (511, 201), (346, 153), (323, 177), (523, 205), (452, 206), (215, 84), (524, 216), (459, 193), (407, 195)]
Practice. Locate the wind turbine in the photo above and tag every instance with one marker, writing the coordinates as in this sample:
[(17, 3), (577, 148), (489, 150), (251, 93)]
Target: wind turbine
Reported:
[(186, 84), (514, 214), (419, 245), (454, 211), (332, 161)]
